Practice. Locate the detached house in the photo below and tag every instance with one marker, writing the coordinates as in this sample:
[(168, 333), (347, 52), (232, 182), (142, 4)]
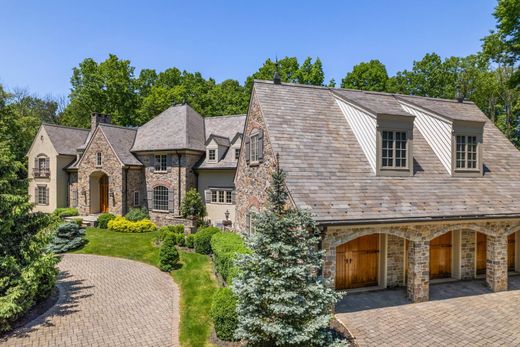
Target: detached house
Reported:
[(113, 169), (404, 189)]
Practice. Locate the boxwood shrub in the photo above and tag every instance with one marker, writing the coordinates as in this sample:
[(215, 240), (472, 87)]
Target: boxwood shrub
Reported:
[(122, 225), (66, 212), (203, 239), (190, 240), (224, 313), (137, 214), (168, 256), (225, 247), (103, 219)]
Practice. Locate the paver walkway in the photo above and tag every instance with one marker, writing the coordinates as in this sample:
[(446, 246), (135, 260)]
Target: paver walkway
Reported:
[(106, 301), (480, 318)]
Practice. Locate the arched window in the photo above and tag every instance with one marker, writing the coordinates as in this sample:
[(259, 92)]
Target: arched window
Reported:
[(160, 198)]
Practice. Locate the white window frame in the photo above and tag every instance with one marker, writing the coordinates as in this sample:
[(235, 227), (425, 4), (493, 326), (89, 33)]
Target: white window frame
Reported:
[(42, 160), (99, 159), (160, 192), (465, 153), (137, 198), (393, 155), (221, 196), (212, 152), (160, 163), (253, 148), (41, 199)]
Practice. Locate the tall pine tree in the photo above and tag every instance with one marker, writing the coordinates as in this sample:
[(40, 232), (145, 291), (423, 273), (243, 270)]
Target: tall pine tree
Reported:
[(282, 301)]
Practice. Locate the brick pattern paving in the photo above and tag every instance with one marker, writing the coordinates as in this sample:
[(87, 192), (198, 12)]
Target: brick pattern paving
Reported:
[(106, 301), (481, 319)]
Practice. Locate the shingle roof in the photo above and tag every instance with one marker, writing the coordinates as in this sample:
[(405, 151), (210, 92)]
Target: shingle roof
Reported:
[(64, 139), (450, 109), (377, 103), (328, 173), (121, 139), (178, 127)]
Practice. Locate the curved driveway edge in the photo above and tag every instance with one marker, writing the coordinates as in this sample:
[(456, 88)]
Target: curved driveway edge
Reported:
[(106, 301)]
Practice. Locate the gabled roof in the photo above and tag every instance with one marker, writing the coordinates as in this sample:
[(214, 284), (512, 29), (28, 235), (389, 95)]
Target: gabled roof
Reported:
[(65, 139), (376, 103), (121, 139), (328, 173), (178, 127), (219, 140)]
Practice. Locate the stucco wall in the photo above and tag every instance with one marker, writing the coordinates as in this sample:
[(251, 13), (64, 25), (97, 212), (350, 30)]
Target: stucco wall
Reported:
[(217, 179)]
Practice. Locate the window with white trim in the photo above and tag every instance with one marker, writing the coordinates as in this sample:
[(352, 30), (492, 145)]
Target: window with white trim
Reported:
[(253, 148), (41, 195), (394, 149), (466, 152), (160, 198), (136, 198), (221, 196), (98, 159), (212, 154), (160, 163), (42, 163)]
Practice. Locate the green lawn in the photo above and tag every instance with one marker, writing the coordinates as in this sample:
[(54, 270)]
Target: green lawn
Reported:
[(195, 277)]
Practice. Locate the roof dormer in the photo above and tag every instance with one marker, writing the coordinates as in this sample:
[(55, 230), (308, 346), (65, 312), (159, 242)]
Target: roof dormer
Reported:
[(216, 148)]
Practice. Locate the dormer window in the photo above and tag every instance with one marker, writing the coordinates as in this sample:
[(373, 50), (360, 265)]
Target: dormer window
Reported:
[(466, 152), (98, 159), (212, 155), (394, 149), (237, 153)]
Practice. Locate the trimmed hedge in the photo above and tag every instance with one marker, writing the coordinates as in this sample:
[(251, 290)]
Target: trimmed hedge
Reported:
[(137, 214), (168, 256), (190, 240), (225, 247), (176, 229), (103, 219), (224, 313), (68, 236), (66, 212), (180, 240), (203, 239), (120, 224)]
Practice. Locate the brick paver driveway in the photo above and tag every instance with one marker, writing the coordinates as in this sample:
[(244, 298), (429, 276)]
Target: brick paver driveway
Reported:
[(106, 301), (479, 319)]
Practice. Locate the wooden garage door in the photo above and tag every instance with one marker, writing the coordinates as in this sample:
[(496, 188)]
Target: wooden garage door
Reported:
[(511, 252), (481, 253), (440, 256), (357, 263)]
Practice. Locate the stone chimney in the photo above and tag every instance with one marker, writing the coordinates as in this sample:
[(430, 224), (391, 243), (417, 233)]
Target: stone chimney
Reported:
[(98, 118)]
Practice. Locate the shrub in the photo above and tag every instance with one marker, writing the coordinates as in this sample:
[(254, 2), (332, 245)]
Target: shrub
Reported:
[(179, 240), (120, 224), (190, 240), (176, 229), (168, 256), (225, 247), (78, 221), (192, 205), (224, 314), (137, 214), (103, 219), (203, 239), (66, 212), (68, 236)]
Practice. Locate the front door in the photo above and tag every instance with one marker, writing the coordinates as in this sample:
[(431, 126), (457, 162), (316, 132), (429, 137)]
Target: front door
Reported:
[(357, 263), (481, 253), (511, 252), (103, 194), (440, 256)]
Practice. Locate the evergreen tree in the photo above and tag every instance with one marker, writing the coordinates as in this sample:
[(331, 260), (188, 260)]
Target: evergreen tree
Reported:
[(281, 299)]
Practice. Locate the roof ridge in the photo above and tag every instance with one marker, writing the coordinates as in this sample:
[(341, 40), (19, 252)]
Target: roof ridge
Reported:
[(64, 126), (117, 126), (225, 116)]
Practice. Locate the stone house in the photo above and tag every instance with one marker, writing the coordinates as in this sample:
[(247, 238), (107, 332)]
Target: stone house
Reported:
[(109, 168), (405, 190)]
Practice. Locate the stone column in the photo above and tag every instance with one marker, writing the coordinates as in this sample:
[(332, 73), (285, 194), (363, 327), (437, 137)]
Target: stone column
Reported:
[(467, 252), (418, 283), (395, 261), (496, 262)]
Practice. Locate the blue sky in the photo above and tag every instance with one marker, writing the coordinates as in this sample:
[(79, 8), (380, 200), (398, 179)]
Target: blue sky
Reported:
[(41, 41)]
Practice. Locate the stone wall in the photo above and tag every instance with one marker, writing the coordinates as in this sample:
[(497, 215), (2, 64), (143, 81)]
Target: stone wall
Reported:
[(253, 181), (395, 261), (135, 183), (73, 188), (467, 254), (88, 174)]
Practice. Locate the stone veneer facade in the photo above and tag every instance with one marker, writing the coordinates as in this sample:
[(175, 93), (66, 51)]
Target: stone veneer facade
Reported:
[(419, 236), (253, 181), (395, 261)]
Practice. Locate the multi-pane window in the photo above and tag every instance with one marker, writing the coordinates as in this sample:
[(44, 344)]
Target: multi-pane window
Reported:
[(42, 164), (394, 149), (98, 159), (160, 198), (41, 195), (466, 152), (237, 153), (136, 198), (160, 162), (253, 148), (221, 196), (212, 154)]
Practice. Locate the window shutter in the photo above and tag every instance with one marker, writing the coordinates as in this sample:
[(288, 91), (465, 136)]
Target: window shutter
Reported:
[(149, 199), (170, 200), (207, 196), (46, 195), (261, 145), (168, 163), (47, 163), (36, 164), (233, 197), (248, 154), (36, 194)]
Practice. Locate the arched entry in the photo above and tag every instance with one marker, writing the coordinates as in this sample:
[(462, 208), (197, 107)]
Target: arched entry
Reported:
[(103, 194), (357, 263), (99, 192)]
